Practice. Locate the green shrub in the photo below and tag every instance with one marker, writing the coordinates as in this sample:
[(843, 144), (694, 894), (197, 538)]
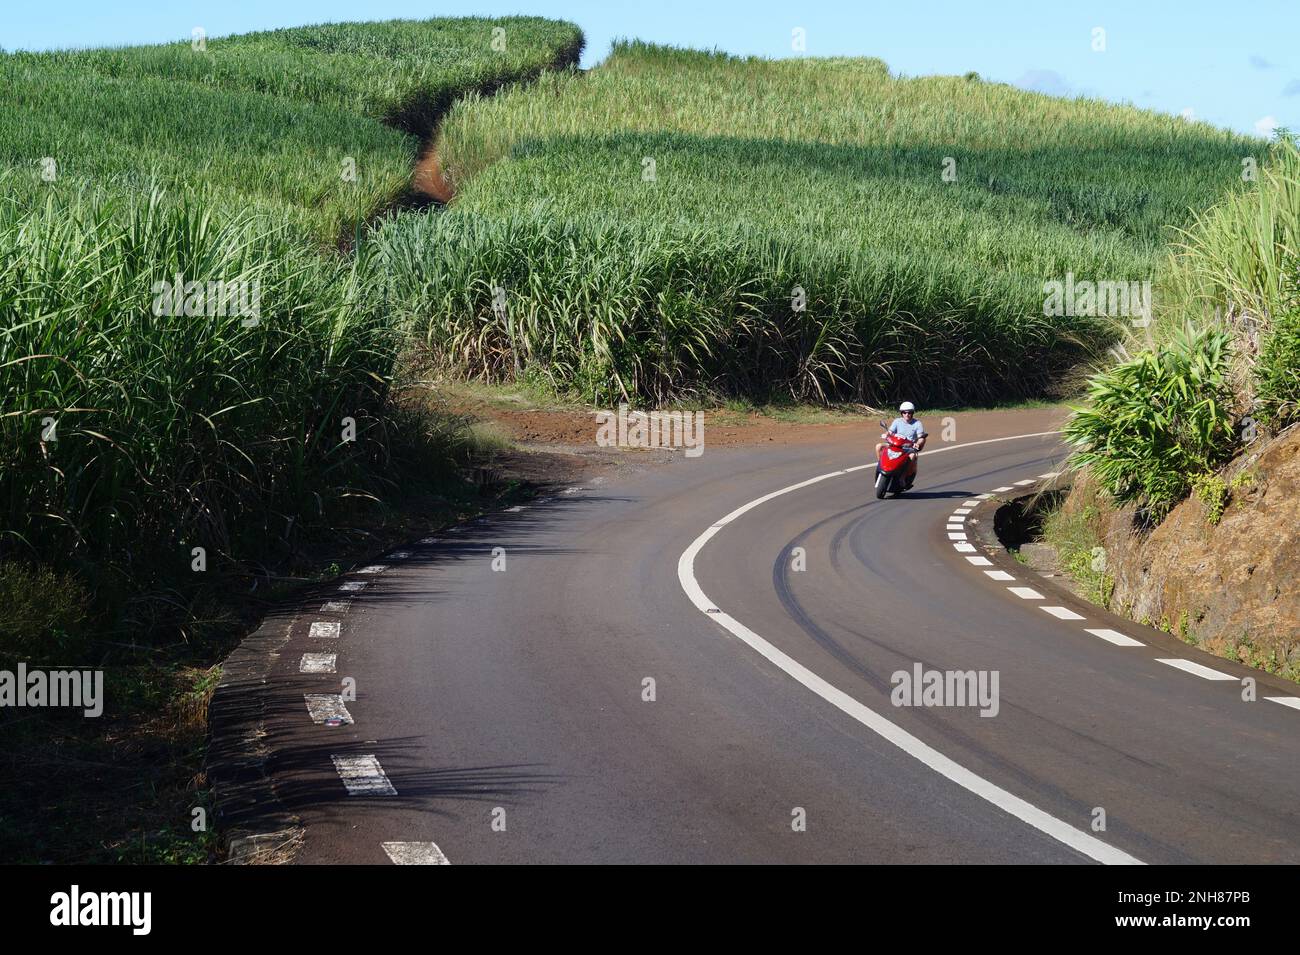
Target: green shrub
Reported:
[(44, 612), (1277, 373), (1155, 421), (1212, 491)]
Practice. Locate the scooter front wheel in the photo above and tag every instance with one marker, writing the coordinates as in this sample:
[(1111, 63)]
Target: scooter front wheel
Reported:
[(882, 484)]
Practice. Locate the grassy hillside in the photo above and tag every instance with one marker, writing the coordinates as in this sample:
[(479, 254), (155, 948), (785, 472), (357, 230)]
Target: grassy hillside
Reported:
[(767, 175), (129, 436)]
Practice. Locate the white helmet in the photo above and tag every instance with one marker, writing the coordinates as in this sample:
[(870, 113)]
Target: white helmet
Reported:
[(907, 406)]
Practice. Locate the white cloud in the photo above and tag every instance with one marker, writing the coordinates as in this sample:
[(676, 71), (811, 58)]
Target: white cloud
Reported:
[(1188, 114), (1265, 125)]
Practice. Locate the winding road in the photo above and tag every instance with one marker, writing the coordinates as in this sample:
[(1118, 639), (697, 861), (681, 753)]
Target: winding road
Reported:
[(647, 670)]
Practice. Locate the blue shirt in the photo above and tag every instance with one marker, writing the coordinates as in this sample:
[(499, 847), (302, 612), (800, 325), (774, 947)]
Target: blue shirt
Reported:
[(912, 432)]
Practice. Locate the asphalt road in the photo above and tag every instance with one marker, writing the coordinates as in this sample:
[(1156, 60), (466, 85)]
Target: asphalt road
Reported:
[(508, 707)]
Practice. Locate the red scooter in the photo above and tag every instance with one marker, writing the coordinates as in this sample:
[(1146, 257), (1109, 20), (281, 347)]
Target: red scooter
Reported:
[(894, 472)]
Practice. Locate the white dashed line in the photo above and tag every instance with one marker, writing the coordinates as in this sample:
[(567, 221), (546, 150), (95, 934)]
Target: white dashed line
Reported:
[(998, 574), (968, 504), (373, 569), (1026, 593), (999, 490), (399, 555), (962, 510), (363, 776), (429, 540), (1196, 669), (1062, 613), (956, 535), (317, 663), (1024, 482), (1050, 474), (1291, 701), (336, 606), (980, 561), (324, 630), (964, 547), (415, 853), (326, 706), (984, 497), (1115, 637), (957, 518), (509, 510), (349, 586)]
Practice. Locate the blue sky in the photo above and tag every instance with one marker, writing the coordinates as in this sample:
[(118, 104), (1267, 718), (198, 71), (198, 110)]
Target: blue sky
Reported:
[(1231, 64)]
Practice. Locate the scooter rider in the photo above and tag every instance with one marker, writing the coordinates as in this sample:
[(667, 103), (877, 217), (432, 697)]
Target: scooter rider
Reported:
[(907, 426)]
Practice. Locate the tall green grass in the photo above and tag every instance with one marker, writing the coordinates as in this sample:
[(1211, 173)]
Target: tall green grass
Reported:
[(825, 175), (127, 437)]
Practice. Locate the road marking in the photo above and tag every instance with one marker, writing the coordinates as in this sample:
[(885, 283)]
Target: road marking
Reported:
[(400, 554), (509, 510), (415, 853), (1050, 474), (999, 490), (336, 606), (1026, 593), (1115, 637), (317, 663), (956, 535), (1024, 482), (1196, 669), (326, 706), (350, 585), (372, 569), (363, 776), (957, 518), (978, 497), (324, 630), (964, 547), (1291, 701), (429, 540), (998, 574), (1062, 613), (1009, 803), (980, 561), (963, 510)]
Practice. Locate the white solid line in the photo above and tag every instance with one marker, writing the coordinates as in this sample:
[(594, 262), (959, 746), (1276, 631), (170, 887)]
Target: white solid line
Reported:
[(336, 606), (349, 585), (969, 504), (998, 574), (326, 706), (324, 630), (1115, 637), (317, 663), (980, 561), (372, 569), (1026, 593), (1024, 482), (1062, 613), (363, 776), (1197, 669), (415, 853), (964, 547), (956, 535), (1291, 701), (999, 490), (1077, 839)]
